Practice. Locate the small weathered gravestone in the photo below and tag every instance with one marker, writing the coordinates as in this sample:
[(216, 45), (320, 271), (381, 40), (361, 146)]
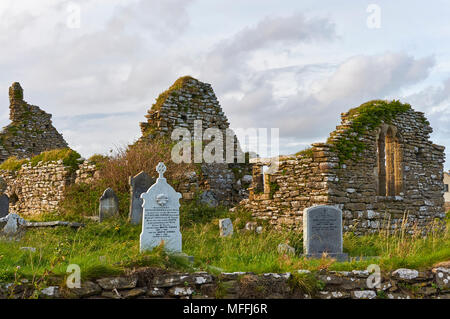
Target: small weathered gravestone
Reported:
[(109, 205), (138, 184), (4, 205), (322, 232), (285, 249), (161, 220), (13, 223), (226, 227)]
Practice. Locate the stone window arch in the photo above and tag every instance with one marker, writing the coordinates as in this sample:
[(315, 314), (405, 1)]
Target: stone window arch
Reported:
[(389, 170)]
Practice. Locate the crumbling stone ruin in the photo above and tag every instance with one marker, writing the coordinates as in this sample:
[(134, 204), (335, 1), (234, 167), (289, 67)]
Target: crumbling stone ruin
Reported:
[(40, 189), (186, 101), (30, 131), (378, 166)]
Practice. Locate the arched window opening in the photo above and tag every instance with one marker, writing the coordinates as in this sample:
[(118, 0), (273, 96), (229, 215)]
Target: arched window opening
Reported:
[(389, 161)]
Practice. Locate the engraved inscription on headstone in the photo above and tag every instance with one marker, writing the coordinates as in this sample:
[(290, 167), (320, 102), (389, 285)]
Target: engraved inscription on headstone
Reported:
[(138, 184), (322, 232), (161, 220)]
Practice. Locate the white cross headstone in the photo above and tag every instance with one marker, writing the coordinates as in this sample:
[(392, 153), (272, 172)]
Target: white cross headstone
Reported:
[(161, 220)]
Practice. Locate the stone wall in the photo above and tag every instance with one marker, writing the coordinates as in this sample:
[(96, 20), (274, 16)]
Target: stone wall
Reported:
[(186, 101), (30, 131), (281, 197), (39, 189), (398, 173), (151, 283)]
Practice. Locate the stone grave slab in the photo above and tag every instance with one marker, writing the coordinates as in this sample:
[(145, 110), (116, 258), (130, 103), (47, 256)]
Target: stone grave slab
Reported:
[(322, 232)]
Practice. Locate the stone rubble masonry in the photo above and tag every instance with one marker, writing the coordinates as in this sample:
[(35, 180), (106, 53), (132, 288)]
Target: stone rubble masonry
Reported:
[(149, 283), (318, 178), (39, 189), (30, 131), (186, 101)]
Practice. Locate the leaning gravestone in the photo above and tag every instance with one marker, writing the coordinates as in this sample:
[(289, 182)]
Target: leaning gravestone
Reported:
[(322, 232), (138, 185), (225, 227), (109, 205), (161, 220), (4, 205)]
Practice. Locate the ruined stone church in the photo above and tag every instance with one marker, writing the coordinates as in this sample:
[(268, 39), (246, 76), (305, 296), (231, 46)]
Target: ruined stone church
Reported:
[(379, 167)]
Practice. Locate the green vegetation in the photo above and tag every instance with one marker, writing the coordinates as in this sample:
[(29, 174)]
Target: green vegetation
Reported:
[(307, 152), (98, 160), (113, 246), (274, 187), (365, 118), (13, 164), (82, 200), (69, 157)]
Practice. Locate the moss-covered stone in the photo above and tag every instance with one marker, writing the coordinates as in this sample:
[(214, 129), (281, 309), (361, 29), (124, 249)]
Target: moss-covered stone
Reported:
[(364, 118)]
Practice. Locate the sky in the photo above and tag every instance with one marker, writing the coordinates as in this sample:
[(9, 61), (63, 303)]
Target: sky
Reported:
[(98, 66)]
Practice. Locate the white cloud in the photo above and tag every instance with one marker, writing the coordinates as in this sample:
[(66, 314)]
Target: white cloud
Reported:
[(289, 70), (313, 111)]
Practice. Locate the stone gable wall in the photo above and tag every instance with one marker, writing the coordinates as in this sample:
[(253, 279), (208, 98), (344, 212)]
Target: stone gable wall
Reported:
[(186, 101), (193, 100)]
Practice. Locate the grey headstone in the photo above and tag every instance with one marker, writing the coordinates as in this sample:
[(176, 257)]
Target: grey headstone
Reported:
[(4, 205), (161, 220), (109, 205), (226, 227), (138, 184), (322, 232)]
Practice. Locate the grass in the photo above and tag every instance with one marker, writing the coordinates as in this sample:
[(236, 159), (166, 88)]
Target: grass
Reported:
[(13, 164), (112, 247)]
